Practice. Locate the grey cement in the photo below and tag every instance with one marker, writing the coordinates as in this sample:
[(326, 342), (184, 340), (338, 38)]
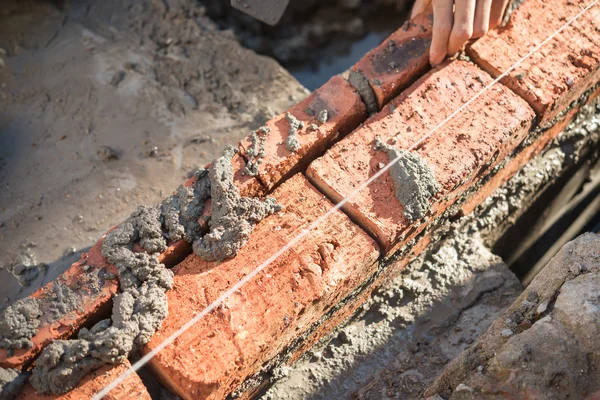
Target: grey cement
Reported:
[(322, 116), (256, 151), (25, 267), (19, 322), (232, 217), (11, 382), (364, 89), (411, 327), (414, 182), (291, 142)]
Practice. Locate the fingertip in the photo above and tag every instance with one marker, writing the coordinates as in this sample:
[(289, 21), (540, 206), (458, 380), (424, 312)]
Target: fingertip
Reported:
[(436, 58)]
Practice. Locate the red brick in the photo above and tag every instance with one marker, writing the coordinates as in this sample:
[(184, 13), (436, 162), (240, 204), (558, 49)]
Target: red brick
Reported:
[(399, 60), (520, 159), (131, 388), (267, 314), (459, 153), (345, 112), (93, 304), (560, 71)]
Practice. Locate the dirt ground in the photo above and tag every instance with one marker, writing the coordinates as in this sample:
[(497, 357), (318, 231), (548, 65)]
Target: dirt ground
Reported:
[(108, 105)]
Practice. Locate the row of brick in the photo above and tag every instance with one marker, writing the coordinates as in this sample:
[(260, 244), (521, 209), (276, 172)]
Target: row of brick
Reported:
[(289, 298)]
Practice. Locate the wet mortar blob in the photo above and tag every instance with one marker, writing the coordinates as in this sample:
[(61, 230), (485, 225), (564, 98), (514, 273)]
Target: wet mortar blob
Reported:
[(19, 322), (291, 143), (414, 182), (256, 151), (141, 306), (365, 91)]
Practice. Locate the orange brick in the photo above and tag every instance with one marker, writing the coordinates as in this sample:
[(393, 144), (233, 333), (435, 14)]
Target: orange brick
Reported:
[(267, 314), (560, 71), (520, 159), (345, 112), (399, 60), (131, 388), (459, 153), (93, 304)]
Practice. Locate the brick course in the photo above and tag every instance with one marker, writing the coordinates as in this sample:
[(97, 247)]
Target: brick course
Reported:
[(268, 313), (290, 298), (458, 153)]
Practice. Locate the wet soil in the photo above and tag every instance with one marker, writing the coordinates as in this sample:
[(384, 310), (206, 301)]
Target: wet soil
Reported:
[(108, 105)]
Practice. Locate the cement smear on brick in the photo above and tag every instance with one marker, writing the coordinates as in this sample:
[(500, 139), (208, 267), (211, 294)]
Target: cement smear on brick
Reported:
[(11, 382), (232, 217), (365, 91), (141, 306), (19, 322), (256, 152), (414, 182), (291, 142), (322, 116)]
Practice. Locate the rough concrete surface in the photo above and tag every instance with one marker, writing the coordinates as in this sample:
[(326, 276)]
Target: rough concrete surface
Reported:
[(545, 345), (156, 82), (409, 330)]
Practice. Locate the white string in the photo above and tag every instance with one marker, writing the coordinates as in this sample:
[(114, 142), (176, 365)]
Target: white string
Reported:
[(147, 357)]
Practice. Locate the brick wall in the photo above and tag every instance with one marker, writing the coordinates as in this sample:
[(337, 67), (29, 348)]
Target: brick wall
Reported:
[(315, 285)]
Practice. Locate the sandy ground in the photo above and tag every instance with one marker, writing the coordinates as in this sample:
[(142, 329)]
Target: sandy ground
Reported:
[(108, 105)]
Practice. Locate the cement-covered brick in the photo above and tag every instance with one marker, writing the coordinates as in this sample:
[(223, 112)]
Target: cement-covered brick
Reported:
[(561, 70), (88, 279), (273, 309), (345, 111), (131, 388), (459, 153), (399, 60)]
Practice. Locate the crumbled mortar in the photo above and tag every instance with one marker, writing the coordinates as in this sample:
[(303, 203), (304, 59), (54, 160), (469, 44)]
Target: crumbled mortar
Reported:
[(11, 382), (365, 91), (25, 267), (256, 151), (19, 322), (323, 116), (233, 216), (291, 143), (414, 182), (141, 306)]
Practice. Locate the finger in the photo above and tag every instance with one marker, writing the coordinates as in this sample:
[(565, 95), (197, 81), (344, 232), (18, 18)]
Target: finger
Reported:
[(443, 16), (481, 24), (497, 12), (419, 7), (462, 28)]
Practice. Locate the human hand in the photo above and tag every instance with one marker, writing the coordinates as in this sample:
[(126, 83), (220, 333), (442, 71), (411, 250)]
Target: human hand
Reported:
[(457, 21)]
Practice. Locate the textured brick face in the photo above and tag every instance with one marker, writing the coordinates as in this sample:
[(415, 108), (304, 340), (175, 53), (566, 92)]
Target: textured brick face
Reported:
[(459, 153), (270, 311), (132, 388), (561, 70), (345, 111), (399, 60)]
